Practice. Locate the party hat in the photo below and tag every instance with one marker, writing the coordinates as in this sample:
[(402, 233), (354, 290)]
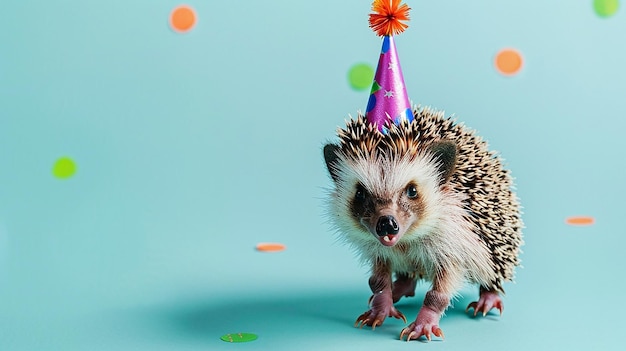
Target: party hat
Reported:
[(388, 98)]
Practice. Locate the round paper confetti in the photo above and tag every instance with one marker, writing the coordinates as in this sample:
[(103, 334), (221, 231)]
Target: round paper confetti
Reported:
[(508, 61), (239, 337), (580, 220), (64, 168), (270, 247), (182, 18), (605, 8), (360, 76)]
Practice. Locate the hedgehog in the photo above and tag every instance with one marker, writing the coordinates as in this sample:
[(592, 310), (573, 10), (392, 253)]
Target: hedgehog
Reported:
[(426, 200)]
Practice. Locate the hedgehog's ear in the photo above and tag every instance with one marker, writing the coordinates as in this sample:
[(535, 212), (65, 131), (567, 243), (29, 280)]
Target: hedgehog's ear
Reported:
[(445, 153), (330, 156)]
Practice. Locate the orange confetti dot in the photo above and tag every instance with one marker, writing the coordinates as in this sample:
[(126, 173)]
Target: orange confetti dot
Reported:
[(580, 220), (182, 18), (508, 61), (270, 247)]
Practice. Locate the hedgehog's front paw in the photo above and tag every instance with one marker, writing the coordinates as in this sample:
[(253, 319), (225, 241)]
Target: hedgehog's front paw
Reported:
[(376, 316), (427, 322), (487, 301)]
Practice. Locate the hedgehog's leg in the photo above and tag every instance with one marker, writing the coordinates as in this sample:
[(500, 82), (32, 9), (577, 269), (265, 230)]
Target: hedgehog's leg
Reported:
[(435, 303), (381, 304), (403, 286), (489, 298)]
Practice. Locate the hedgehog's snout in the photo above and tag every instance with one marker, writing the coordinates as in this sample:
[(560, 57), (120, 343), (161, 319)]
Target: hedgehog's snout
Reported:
[(387, 225)]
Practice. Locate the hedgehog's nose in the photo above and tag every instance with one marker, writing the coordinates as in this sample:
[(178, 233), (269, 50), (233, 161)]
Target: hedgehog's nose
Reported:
[(387, 225)]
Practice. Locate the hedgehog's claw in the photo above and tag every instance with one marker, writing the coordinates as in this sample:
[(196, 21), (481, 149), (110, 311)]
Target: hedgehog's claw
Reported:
[(401, 316), (376, 318), (487, 301), (376, 322), (413, 332), (408, 337), (361, 321), (473, 305)]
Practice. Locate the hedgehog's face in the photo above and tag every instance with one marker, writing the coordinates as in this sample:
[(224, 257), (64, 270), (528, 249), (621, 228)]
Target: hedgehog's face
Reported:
[(387, 215), (387, 198)]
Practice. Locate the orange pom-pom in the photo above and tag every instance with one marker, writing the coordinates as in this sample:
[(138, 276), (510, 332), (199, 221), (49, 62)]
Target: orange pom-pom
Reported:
[(388, 17)]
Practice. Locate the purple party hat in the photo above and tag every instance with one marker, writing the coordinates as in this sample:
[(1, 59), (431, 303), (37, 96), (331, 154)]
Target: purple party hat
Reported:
[(388, 99)]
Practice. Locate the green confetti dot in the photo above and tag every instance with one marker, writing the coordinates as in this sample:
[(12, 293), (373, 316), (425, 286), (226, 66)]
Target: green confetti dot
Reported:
[(239, 337), (360, 76), (605, 8), (64, 168)]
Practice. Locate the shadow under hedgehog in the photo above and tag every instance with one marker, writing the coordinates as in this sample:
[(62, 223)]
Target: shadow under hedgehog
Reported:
[(420, 197)]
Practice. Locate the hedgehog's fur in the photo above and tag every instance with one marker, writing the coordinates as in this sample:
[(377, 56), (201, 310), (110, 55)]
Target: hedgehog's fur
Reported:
[(475, 202)]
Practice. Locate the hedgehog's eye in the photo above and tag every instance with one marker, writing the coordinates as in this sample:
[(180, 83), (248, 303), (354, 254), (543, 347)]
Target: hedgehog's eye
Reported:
[(411, 191), (360, 192)]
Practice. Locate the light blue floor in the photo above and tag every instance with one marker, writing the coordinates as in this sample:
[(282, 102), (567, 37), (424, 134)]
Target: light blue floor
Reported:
[(192, 148)]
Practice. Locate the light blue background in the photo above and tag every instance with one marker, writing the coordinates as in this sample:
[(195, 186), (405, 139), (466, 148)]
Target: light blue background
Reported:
[(192, 148)]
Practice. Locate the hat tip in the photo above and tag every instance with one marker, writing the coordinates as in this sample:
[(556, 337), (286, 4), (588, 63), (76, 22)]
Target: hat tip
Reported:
[(388, 17)]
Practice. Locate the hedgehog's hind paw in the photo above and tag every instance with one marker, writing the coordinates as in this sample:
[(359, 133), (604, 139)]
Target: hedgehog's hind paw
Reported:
[(403, 287), (487, 301)]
